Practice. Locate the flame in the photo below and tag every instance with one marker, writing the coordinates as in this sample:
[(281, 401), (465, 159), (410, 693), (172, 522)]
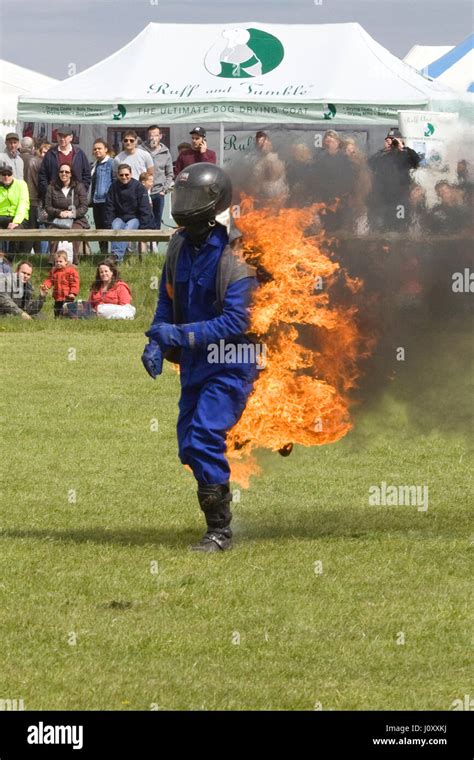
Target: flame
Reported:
[(313, 344)]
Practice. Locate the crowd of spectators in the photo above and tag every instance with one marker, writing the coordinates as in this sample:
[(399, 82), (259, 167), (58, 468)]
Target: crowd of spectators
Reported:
[(54, 186), (360, 193)]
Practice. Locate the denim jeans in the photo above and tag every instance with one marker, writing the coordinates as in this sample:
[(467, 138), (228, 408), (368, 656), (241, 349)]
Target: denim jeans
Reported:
[(118, 248)]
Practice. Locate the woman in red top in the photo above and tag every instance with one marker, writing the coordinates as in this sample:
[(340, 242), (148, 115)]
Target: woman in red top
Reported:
[(64, 279), (110, 297)]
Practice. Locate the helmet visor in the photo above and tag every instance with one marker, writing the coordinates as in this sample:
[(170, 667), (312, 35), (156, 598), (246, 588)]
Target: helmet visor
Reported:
[(191, 202)]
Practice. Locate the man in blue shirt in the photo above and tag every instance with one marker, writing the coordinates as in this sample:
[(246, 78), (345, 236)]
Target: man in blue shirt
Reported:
[(204, 299)]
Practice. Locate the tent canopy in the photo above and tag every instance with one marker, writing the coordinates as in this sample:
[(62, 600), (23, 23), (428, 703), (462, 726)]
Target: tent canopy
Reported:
[(420, 56), (245, 73), (449, 65), (14, 82), (456, 67)]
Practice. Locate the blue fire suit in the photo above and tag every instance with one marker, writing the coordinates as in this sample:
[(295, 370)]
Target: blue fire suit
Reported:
[(215, 380)]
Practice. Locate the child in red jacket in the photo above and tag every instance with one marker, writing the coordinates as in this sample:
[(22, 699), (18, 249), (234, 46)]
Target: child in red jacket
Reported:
[(64, 279)]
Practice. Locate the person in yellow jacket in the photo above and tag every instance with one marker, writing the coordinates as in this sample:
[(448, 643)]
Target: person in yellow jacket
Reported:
[(14, 201)]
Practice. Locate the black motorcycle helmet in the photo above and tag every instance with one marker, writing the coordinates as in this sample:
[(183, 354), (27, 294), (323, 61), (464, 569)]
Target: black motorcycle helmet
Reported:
[(200, 192)]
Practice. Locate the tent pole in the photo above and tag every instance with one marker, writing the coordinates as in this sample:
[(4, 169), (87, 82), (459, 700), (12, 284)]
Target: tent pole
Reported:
[(221, 143)]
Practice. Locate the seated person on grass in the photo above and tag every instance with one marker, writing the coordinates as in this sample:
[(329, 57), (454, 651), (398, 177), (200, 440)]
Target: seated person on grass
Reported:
[(110, 297), (17, 293)]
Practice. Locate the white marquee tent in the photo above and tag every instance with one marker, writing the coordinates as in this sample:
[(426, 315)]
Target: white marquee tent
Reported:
[(450, 66), (246, 73), (455, 68), (420, 56), (16, 81)]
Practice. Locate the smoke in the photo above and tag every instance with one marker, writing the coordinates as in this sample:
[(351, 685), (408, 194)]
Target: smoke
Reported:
[(416, 302), (423, 354), (456, 148)]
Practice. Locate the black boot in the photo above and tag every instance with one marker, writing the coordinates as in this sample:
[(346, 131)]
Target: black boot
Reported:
[(214, 501)]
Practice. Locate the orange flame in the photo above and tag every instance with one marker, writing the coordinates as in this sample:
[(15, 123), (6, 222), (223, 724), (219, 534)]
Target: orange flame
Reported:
[(312, 344)]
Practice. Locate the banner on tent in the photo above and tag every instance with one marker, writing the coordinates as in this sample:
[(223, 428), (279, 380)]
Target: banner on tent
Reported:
[(427, 125), (177, 113), (428, 132)]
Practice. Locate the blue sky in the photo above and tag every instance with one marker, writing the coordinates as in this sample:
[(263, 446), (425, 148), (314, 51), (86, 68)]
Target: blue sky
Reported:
[(49, 36)]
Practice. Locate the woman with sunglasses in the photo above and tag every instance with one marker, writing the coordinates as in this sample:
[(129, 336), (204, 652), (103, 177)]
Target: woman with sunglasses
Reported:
[(66, 198)]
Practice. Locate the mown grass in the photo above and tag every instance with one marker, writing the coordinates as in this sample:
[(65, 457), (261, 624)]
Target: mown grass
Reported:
[(103, 607)]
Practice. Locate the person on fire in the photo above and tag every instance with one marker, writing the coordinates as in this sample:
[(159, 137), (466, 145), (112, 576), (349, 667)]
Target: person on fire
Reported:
[(203, 302)]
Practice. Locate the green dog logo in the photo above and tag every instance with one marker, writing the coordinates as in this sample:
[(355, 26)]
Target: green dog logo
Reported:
[(121, 112), (330, 111), (243, 53)]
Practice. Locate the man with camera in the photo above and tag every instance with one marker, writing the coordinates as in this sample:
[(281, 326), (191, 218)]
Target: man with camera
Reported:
[(391, 168)]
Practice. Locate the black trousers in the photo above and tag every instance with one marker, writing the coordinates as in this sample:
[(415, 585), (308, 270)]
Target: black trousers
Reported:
[(33, 225), (58, 308), (11, 246), (98, 212)]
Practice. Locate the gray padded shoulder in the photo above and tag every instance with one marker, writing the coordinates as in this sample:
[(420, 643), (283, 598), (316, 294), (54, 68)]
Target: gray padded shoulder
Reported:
[(231, 268)]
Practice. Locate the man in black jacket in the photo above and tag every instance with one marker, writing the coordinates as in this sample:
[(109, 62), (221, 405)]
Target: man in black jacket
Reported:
[(63, 153), (332, 177), (391, 169), (127, 207)]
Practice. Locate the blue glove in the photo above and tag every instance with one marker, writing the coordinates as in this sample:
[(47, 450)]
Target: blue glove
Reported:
[(166, 335), (152, 359), (184, 336)]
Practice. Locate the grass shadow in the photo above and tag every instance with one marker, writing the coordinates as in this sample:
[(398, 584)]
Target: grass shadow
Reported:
[(336, 524)]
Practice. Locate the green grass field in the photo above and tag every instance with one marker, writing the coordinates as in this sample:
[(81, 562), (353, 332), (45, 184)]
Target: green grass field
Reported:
[(325, 600)]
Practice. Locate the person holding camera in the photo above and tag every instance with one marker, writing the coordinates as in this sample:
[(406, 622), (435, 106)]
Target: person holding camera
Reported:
[(392, 173)]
